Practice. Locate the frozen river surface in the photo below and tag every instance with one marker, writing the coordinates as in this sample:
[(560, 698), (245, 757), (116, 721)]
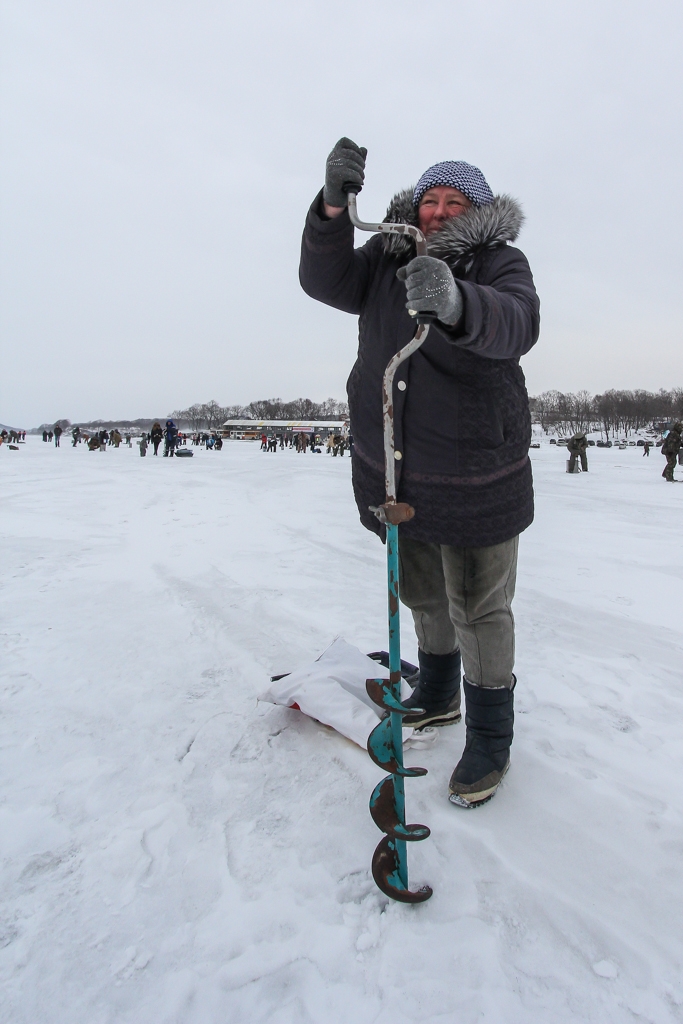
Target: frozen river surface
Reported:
[(173, 852)]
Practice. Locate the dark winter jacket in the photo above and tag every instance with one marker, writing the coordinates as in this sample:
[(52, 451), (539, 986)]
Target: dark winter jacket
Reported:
[(577, 445), (462, 422), (672, 443), (171, 433)]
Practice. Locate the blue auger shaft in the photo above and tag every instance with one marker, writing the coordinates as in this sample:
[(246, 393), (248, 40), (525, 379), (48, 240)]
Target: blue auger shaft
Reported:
[(395, 673)]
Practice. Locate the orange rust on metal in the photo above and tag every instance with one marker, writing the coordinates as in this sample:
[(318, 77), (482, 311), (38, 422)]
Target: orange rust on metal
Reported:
[(399, 512), (385, 866), (384, 810), (376, 691), (383, 753), (384, 815), (393, 604)]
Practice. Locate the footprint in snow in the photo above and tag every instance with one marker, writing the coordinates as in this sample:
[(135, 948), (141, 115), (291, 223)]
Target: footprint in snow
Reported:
[(606, 969)]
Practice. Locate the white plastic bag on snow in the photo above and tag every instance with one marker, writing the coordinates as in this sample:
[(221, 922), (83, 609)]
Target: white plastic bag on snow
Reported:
[(332, 690)]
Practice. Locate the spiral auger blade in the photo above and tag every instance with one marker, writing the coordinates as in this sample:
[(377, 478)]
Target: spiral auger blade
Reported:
[(386, 870), (382, 750), (387, 803), (385, 815)]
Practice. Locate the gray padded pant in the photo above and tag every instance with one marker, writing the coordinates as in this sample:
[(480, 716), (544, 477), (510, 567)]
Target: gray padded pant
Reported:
[(462, 597)]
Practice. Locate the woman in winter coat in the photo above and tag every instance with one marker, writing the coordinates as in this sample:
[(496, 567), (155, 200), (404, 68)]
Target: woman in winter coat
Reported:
[(156, 437), (462, 427)]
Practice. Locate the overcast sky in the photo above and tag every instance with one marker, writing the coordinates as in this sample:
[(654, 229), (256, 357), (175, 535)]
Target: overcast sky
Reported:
[(159, 158)]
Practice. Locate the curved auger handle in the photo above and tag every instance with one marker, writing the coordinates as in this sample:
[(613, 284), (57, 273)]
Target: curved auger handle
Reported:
[(385, 227), (388, 228), (387, 803), (422, 318)]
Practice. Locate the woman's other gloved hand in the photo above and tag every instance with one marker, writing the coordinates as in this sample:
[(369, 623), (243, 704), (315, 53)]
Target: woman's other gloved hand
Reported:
[(431, 288)]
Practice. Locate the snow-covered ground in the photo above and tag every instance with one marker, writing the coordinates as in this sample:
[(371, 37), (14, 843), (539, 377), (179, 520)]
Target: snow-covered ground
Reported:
[(173, 852)]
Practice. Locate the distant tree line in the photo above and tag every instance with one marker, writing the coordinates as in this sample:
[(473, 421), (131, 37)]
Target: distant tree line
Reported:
[(139, 425), (210, 415), (613, 412)]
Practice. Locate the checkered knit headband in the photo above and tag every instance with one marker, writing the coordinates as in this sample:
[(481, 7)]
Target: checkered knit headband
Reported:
[(465, 177)]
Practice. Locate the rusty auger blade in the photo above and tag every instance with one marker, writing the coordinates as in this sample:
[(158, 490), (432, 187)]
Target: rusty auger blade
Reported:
[(381, 691), (386, 870), (385, 814), (382, 750), (387, 803)]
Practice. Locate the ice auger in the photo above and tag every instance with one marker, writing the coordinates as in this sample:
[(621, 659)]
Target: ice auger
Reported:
[(385, 742)]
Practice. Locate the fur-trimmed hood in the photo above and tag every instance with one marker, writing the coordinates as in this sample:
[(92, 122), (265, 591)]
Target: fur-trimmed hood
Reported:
[(461, 238)]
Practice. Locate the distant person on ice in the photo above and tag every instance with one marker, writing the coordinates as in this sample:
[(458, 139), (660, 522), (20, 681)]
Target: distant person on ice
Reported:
[(670, 448), (462, 427), (577, 446), (171, 437), (156, 436)]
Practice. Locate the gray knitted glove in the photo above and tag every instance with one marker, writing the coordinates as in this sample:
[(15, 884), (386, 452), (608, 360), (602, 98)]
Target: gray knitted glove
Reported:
[(432, 289), (345, 165)]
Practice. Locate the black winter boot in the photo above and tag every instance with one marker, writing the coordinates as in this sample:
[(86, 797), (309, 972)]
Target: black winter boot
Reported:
[(486, 758), (437, 691)]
